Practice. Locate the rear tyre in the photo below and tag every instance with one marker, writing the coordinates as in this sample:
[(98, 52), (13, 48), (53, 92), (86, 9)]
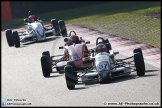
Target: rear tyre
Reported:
[(45, 66), (139, 64), (55, 25), (70, 77), (63, 30), (108, 45), (9, 38), (106, 41), (139, 50), (16, 39), (47, 53)]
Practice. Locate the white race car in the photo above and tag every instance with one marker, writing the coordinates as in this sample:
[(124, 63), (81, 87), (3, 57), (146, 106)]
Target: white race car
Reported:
[(103, 66), (82, 67), (35, 32)]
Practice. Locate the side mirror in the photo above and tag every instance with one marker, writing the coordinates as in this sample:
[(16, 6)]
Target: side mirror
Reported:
[(88, 42), (61, 47)]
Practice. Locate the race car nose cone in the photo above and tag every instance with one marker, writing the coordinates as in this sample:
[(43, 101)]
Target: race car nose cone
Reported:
[(40, 32), (103, 73)]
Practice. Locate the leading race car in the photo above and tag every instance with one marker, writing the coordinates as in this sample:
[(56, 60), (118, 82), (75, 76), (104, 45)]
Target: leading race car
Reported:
[(98, 64), (35, 31), (104, 66)]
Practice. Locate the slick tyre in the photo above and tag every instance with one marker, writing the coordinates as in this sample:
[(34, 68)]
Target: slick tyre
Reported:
[(62, 26), (45, 66), (9, 37), (47, 53), (70, 77), (108, 46), (139, 50), (55, 25), (16, 39), (106, 41), (139, 64)]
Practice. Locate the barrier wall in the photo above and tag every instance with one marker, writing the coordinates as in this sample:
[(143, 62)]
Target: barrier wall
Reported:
[(19, 9), (5, 11)]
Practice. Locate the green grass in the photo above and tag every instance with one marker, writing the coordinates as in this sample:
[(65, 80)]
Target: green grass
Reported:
[(132, 20)]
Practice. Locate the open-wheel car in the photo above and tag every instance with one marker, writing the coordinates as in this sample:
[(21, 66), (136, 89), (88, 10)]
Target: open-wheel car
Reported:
[(73, 45), (102, 65), (35, 31), (82, 65)]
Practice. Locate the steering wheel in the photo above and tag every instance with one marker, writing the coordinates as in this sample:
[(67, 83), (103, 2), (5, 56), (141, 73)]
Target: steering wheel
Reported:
[(100, 39), (71, 32)]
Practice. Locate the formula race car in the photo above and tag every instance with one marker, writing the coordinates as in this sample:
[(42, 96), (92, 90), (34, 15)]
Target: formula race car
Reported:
[(98, 64), (35, 31), (104, 66), (49, 63)]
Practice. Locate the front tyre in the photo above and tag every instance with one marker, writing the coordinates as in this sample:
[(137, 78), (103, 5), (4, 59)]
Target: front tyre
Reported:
[(9, 37), (47, 53), (16, 39), (139, 50), (139, 64), (45, 66), (70, 77)]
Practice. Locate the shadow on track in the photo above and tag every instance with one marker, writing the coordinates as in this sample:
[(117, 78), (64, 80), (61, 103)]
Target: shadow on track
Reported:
[(130, 77), (47, 40), (151, 70)]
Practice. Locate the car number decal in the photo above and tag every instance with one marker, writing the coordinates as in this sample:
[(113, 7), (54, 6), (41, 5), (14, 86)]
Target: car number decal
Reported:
[(76, 58), (103, 66)]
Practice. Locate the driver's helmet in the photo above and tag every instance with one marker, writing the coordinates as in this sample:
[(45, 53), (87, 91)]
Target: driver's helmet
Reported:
[(31, 18), (74, 39), (101, 48)]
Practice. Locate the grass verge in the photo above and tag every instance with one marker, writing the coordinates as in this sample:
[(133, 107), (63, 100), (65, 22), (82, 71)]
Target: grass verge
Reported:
[(138, 21)]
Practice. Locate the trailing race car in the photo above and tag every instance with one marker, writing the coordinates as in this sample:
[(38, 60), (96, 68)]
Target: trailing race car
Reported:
[(35, 31), (49, 62), (98, 64)]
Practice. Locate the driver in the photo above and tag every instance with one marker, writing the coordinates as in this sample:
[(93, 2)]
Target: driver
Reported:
[(31, 17), (75, 40), (101, 48)]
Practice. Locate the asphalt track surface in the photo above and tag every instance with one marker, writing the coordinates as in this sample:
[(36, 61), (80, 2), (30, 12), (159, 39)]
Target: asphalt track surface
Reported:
[(22, 81)]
